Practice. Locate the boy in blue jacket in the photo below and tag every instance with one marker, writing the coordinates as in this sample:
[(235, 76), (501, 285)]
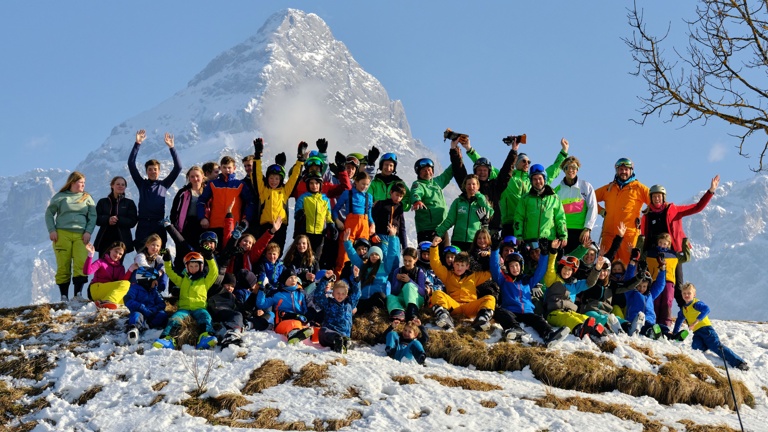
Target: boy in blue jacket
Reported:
[(641, 316), (152, 190), (337, 324), (696, 314), (290, 307), (145, 303)]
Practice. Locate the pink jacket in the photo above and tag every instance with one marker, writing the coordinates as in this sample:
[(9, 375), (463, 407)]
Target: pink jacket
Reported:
[(105, 270)]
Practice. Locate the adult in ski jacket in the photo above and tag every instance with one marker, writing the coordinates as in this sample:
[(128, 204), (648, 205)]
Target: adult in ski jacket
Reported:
[(427, 198), (579, 204), (539, 214), (115, 216)]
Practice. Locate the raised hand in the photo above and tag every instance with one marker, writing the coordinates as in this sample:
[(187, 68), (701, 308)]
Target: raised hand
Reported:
[(329, 274), (91, 250), (301, 152), (564, 144), (356, 271), (347, 233), (634, 255), (436, 240), (537, 292), (391, 229), (258, 148), (715, 182), (482, 214), (277, 224), (373, 154), (169, 140), (322, 145), (280, 158), (141, 135)]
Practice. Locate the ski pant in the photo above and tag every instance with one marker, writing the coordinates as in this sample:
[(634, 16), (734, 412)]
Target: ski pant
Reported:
[(678, 284), (359, 227), (469, 309), (201, 316), (409, 294), (145, 228), (570, 319), (602, 317), (706, 338), (328, 337), (316, 242), (663, 305), (229, 318), (138, 319), (509, 319), (377, 299), (109, 291), (399, 351), (70, 252)]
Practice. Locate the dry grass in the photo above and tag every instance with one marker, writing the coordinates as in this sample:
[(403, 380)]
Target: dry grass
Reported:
[(404, 379), (187, 333), (624, 412), (488, 403), (336, 424), (691, 426), (159, 386), (369, 327), (765, 390), (649, 355), (580, 370), (271, 373), (103, 322), (465, 383), (29, 367), (312, 375), (25, 321), (157, 399), (88, 395), (608, 346)]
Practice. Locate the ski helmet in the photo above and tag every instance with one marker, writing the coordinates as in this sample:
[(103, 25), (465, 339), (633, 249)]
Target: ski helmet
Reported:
[(389, 157), (514, 257), (313, 176), (209, 236), (424, 246), (193, 257), (537, 169), (362, 242), (625, 162), (276, 169), (657, 188), (423, 163), (482, 162), (146, 274), (569, 261), (451, 249), (314, 161), (357, 156)]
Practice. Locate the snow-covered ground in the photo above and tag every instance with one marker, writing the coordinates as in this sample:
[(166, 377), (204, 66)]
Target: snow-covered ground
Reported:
[(130, 396)]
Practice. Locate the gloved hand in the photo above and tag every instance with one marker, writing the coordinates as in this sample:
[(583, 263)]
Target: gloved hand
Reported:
[(642, 266), (322, 145), (495, 239), (634, 255), (166, 222), (280, 159), (303, 146), (373, 154), (207, 253), (331, 231), (166, 255), (544, 245), (661, 260), (258, 148), (537, 292), (482, 214)]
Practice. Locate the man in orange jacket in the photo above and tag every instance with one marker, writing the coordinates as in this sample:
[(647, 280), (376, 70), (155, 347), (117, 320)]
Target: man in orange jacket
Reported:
[(623, 199)]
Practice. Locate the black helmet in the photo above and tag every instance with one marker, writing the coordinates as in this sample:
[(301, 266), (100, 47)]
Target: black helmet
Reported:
[(423, 163), (389, 157), (209, 236), (362, 242), (482, 162), (310, 176)]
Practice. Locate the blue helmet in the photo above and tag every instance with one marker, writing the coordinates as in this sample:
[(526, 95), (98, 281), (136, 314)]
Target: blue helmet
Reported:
[(389, 157), (537, 169), (209, 236)]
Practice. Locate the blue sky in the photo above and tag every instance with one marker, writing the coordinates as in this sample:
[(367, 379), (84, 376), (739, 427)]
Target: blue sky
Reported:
[(72, 71)]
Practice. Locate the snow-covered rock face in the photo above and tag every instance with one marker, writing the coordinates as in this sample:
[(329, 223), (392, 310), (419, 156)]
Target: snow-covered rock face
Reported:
[(729, 245), (292, 81)]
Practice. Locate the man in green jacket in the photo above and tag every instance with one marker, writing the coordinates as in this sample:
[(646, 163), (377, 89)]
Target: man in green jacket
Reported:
[(539, 213), (381, 185), (427, 198), (520, 184)]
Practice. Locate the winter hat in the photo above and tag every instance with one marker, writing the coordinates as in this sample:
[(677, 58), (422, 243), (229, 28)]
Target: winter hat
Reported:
[(521, 156), (229, 279), (246, 279), (287, 272), (375, 250)]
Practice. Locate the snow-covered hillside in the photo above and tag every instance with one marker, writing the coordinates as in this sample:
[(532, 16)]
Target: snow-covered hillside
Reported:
[(290, 82), (71, 370)]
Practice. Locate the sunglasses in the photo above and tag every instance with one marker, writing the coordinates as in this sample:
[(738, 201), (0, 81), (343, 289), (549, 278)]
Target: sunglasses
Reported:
[(525, 161)]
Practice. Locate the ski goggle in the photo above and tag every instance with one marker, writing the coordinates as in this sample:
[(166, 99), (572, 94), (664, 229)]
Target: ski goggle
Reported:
[(313, 161), (351, 160), (624, 162), (423, 163), (424, 246), (569, 261), (389, 157), (509, 240), (451, 249)]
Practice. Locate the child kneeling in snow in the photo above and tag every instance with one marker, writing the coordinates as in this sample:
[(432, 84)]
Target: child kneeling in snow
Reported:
[(145, 303), (409, 343), (193, 293), (337, 324), (696, 314)]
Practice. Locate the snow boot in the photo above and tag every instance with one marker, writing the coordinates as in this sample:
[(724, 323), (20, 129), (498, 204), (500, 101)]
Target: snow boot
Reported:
[(442, 318), (206, 341), (165, 342), (231, 337), (556, 336), (681, 335), (78, 282), (397, 315), (411, 312), (420, 358), (64, 298), (513, 334), (133, 335), (345, 344), (64, 291), (105, 305), (743, 366), (297, 335), (637, 324), (654, 332), (338, 344), (614, 324), (483, 320)]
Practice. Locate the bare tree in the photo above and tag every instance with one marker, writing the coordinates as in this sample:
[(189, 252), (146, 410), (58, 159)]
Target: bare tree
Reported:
[(719, 74)]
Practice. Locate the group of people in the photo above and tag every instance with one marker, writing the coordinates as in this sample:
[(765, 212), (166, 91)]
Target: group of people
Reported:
[(510, 249)]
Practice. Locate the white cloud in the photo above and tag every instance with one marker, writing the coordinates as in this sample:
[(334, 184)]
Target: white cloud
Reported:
[(36, 143), (717, 152)]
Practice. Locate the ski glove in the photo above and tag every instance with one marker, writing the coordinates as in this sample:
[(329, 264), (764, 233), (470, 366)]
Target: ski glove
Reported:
[(482, 214), (207, 253), (258, 148), (331, 231), (322, 145), (303, 146), (634, 255), (495, 239), (537, 292), (280, 159), (167, 255), (661, 260), (373, 154)]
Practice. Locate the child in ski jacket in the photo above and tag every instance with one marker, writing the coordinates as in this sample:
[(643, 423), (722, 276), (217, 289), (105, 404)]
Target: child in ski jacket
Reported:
[(357, 204), (427, 198), (110, 281), (146, 305), (407, 344), (375, 271), (337, 322)]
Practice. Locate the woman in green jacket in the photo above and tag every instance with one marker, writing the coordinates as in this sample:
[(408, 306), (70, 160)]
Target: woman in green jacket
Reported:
[(468, 213), (70, 219), (539, 214), (427, 198)]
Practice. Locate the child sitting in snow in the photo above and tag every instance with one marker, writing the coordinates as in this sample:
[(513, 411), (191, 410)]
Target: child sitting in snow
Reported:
[(290, 307), (193, 293), (146, 305), (696, 315), (407, 344), (408, 288), (225, 308), (640, 300), (337, 324), (110, 280)]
